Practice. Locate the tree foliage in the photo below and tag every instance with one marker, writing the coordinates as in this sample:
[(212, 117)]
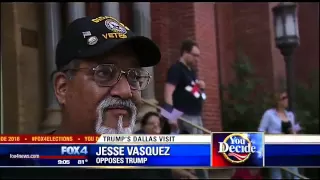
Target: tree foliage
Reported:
[(244, 101), (307, 104)]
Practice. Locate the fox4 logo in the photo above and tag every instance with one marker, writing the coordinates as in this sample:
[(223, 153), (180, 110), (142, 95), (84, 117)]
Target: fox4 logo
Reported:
[(74, 150)]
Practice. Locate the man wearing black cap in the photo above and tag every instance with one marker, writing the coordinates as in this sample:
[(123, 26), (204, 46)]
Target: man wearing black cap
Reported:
[(97, 84), (99, 76)]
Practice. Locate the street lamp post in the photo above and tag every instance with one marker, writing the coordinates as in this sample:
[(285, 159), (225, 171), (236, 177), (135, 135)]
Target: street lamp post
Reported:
[(287, 39)]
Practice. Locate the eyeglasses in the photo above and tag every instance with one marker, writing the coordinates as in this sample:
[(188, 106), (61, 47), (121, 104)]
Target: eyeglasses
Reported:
[(108, 75)]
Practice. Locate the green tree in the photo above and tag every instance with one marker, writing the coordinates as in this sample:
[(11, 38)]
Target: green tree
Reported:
[(243, 101), (307, 104)]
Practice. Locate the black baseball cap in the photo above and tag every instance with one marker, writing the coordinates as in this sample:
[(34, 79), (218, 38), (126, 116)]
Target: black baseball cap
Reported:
[(89, 37)]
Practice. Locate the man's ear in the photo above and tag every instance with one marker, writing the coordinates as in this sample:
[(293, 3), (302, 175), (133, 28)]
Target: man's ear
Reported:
[(60, 87)]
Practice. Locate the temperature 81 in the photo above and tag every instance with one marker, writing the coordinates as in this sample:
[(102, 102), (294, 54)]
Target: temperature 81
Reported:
[(82, 161)]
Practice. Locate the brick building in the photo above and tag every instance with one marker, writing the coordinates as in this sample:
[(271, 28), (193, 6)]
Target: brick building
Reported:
[(219, 28)]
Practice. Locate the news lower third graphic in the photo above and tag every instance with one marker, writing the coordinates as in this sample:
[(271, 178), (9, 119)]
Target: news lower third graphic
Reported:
[(110, 150), (237, 149)]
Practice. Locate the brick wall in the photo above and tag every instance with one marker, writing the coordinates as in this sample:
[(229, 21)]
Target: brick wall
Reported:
[(160, 33), (93, 9), (225, 38), (174, 22), (126, 12), (306, 59), (252, 29), (205, 28), (249, 27)]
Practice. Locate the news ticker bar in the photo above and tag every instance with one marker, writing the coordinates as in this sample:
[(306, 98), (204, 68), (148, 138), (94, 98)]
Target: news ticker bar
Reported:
[(215, 154), (111, 139)]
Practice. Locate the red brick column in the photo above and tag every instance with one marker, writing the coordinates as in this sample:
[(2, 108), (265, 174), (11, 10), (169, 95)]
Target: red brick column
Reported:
[(306, 59), (93, 9), (225, 37), (160, 17), (126, 15), (253, 30), (205, 27)]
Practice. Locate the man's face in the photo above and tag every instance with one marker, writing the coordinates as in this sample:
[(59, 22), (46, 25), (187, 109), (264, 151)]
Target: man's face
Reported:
[(193, 57), (153, 125), (90, 108)]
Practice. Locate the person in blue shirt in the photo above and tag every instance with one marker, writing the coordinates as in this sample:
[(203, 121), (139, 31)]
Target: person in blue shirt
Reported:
[(278, 120)]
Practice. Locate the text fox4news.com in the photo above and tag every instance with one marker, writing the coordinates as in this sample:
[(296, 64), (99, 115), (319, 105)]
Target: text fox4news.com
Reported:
[(216, 150)]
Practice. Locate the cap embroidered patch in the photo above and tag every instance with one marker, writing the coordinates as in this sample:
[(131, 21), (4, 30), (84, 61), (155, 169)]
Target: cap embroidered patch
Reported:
[(85, 34), (115, 26), (92, 40)]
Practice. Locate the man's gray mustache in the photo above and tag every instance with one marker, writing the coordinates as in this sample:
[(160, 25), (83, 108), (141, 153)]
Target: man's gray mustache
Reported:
[(113, 102), (110, 102)]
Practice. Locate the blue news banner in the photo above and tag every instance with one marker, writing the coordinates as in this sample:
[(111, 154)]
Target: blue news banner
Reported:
[(173, 155), (307, 155), (193, 155)]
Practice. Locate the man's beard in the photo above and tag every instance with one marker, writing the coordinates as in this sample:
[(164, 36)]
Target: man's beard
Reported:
[(112, 102)]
